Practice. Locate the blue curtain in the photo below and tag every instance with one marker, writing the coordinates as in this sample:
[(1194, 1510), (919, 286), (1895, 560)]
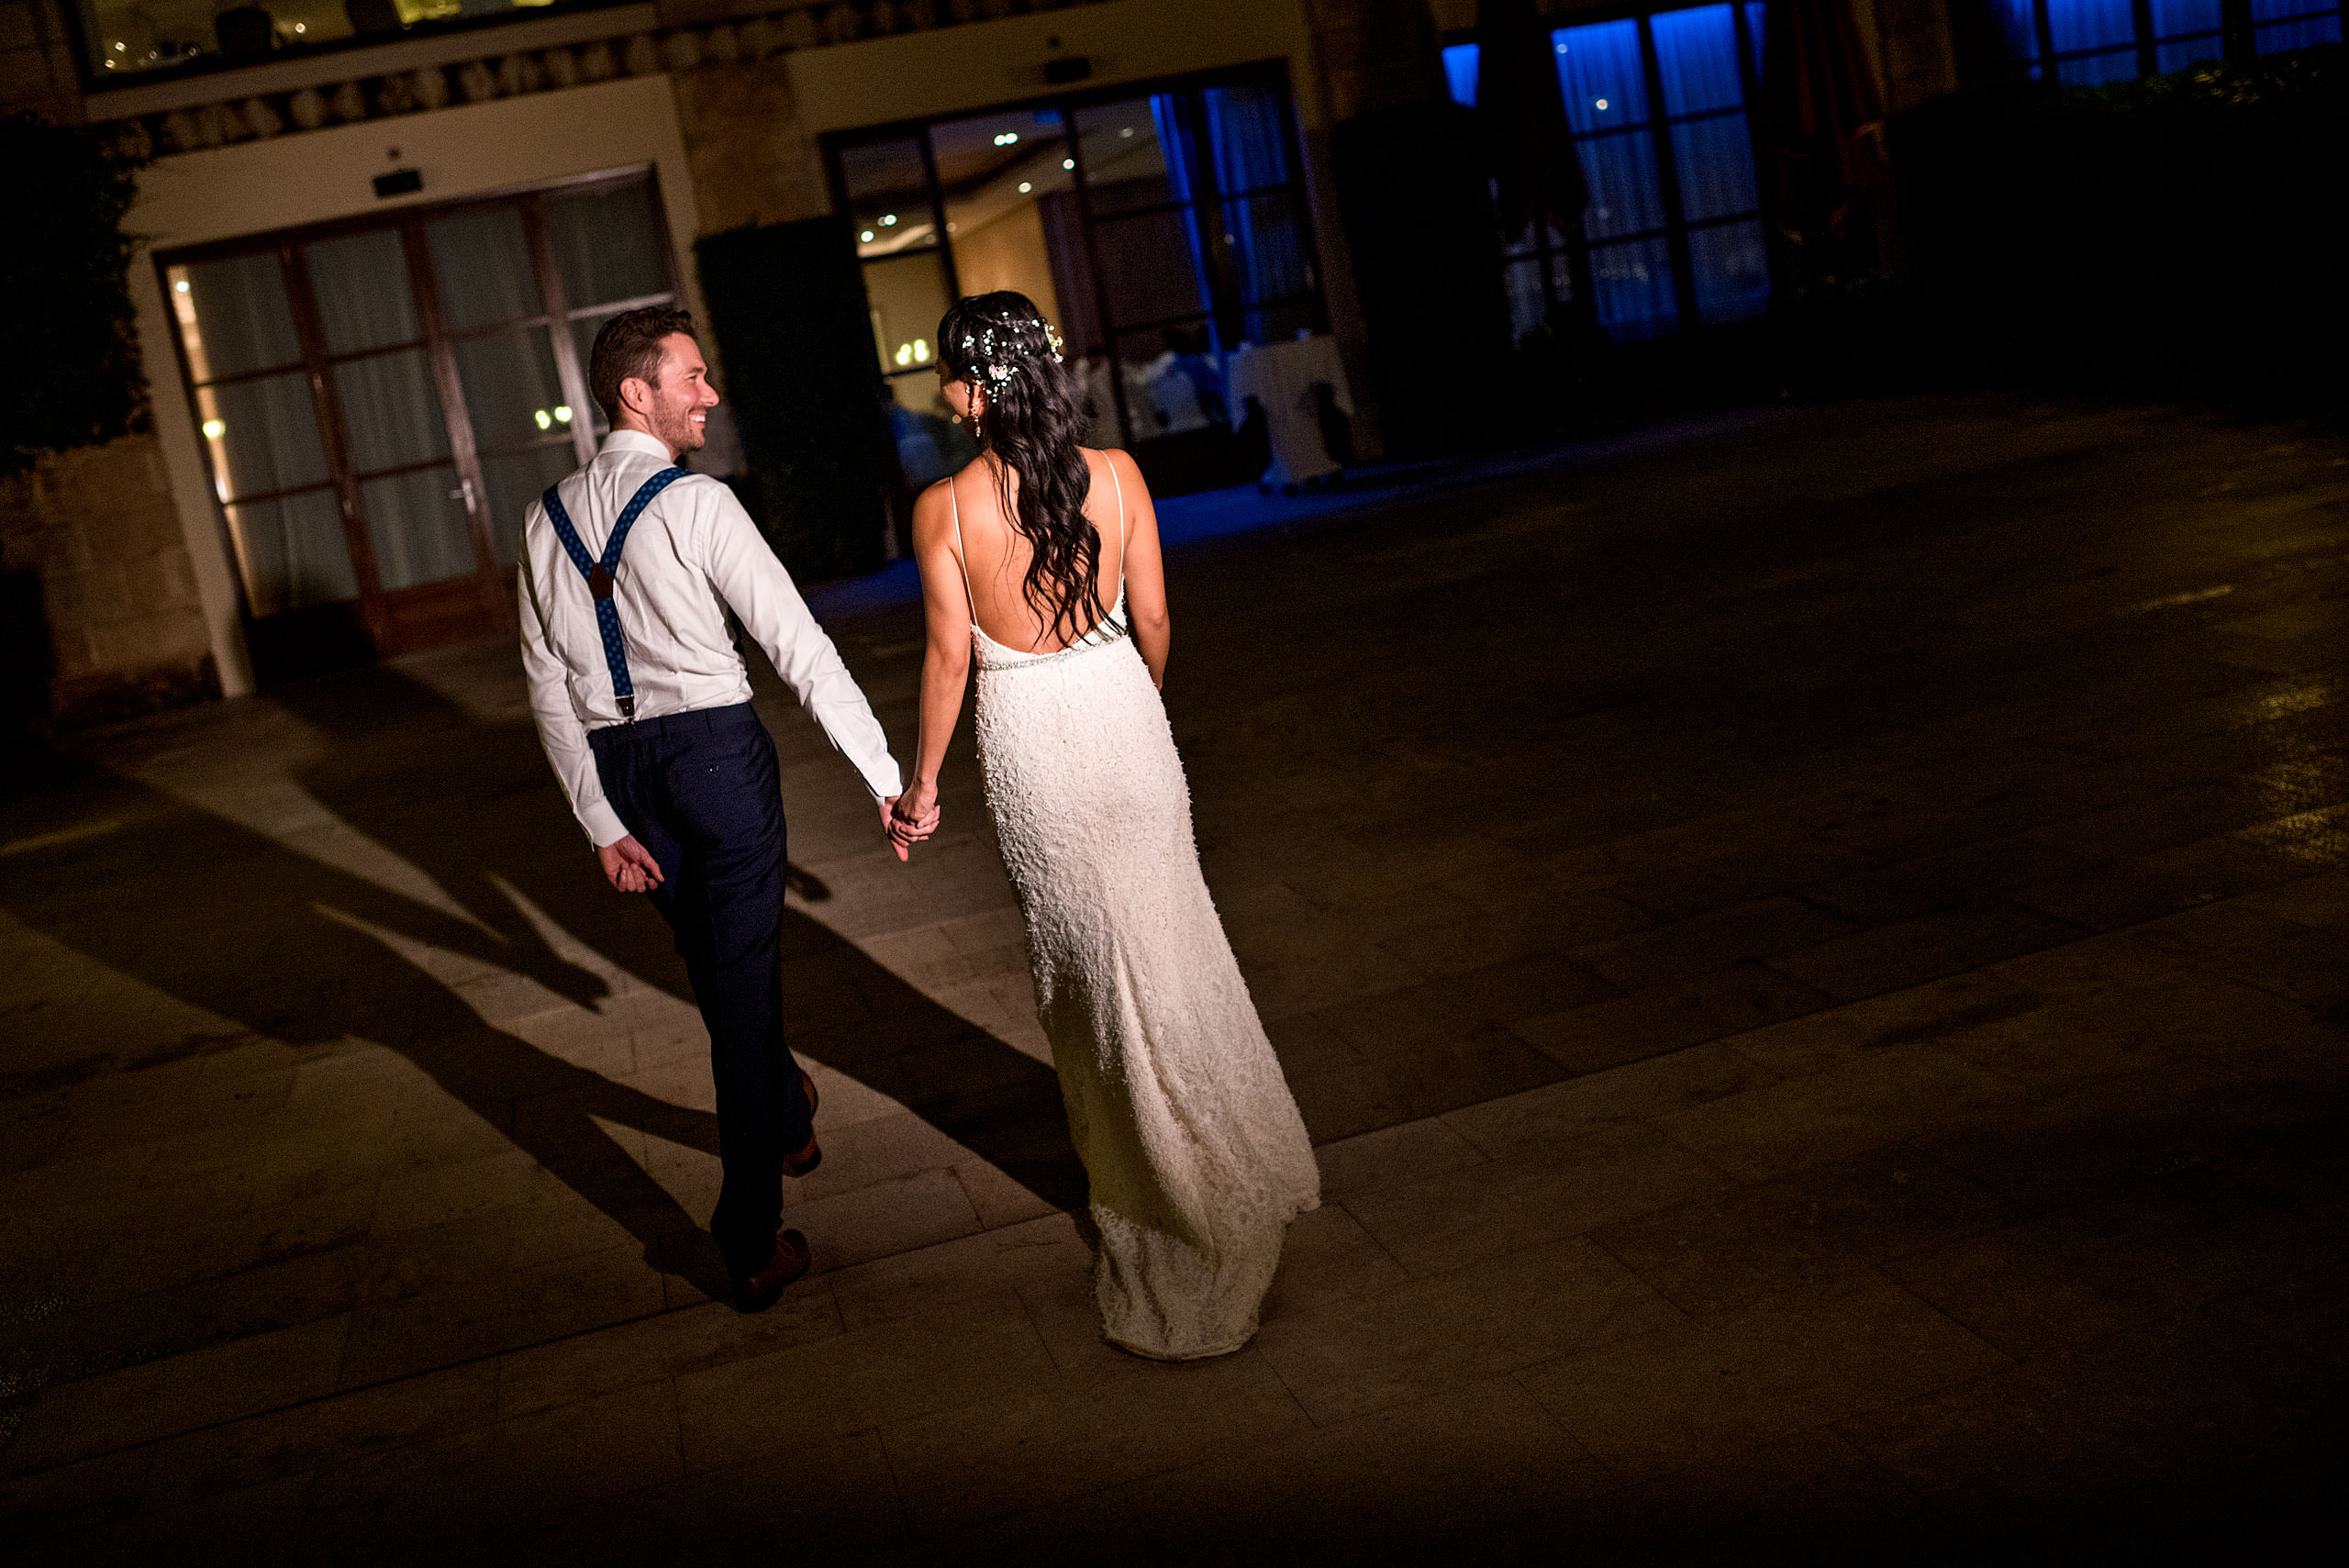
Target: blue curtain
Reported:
[(1248, 138), (1696, 56), (1175, 147)]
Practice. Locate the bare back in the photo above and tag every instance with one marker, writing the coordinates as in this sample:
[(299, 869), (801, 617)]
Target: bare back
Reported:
[(995, 558)]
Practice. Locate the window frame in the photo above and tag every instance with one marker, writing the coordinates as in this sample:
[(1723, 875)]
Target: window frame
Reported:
[(1227, 310)]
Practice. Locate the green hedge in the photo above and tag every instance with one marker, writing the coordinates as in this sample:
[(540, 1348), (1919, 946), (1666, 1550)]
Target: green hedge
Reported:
[(787, 304), (2190, 219), (69, 335)]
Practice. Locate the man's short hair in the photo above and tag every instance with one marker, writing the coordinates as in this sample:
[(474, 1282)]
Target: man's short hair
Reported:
[(629, 347)]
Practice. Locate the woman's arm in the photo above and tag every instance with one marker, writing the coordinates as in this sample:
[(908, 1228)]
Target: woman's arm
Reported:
[(945, 662), (1146, 572)]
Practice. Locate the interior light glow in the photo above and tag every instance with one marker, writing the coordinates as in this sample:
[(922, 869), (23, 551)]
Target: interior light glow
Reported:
[(1602, 103), (1025, 187), (120, 47), (905, 354), (1126, 131), (921, 352), (300, 29), (546, 420), (214, 430), (1005, 138), (1068, 162), (180, 285), (562, 413), (866, 236), (888, 220)]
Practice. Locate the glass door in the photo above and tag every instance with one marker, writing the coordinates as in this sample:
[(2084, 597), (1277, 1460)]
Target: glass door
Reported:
[(380, 402)]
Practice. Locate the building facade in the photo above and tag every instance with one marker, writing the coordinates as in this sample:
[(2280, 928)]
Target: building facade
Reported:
[(378, 236)]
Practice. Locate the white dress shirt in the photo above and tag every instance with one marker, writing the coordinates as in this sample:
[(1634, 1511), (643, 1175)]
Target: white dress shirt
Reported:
[(693, 553)]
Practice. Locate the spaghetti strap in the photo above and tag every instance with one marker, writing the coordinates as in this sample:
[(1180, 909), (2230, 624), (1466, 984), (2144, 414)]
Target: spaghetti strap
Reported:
[(1124, 535), (961, 554)]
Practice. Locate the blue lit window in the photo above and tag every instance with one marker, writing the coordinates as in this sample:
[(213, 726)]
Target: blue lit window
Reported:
[(2092, 42), (1673, 235)]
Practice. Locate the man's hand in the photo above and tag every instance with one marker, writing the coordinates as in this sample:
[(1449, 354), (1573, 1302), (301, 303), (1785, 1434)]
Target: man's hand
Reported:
[(631, 868), (911, 824)]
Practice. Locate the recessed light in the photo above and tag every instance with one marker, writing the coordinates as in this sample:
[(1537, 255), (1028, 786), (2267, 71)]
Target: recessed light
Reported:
[(1025, 187)]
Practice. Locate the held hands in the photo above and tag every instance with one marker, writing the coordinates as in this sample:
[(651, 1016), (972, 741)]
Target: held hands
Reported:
[(629, 866), (910, 817)]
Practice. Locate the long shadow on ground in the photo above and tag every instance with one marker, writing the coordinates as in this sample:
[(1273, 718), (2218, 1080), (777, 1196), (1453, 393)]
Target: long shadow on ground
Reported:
[(229, 920)]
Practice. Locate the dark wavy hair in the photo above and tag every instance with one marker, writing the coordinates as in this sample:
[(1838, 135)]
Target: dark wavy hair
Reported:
[(1032, 420)]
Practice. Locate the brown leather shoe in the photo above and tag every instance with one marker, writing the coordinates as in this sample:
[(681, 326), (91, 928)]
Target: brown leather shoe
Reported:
[(807, 1159), (763, 1289)]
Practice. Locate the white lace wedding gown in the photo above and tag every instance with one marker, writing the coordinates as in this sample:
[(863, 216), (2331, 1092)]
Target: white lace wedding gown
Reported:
[(1197, 1155)]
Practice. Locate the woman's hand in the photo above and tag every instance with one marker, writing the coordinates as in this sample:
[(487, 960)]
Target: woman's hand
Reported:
[(910, 817)]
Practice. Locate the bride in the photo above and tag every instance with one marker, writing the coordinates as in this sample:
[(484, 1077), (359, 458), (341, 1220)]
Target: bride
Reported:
[(1197, 1157)]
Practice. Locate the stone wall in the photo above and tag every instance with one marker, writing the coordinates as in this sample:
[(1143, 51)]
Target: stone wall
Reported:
[(97, 528)]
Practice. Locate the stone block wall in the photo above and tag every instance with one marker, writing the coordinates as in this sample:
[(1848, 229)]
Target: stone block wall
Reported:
[(97, 529)]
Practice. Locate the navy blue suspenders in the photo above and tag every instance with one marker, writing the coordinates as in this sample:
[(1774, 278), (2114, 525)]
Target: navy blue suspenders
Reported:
[(599, 575)]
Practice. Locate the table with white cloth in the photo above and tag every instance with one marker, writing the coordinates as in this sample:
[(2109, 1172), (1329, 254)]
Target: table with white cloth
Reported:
[(1281, 377)]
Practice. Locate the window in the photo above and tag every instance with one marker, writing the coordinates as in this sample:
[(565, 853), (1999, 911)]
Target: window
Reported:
[(2093, 42), (125, 39), (1672, 236), (1157, 229), (380, 401)]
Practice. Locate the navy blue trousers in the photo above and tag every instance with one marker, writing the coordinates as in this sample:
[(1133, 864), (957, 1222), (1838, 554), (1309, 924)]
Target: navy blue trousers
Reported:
[(699, 792)]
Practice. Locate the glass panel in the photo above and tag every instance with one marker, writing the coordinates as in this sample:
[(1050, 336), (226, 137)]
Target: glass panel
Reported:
[(2172, 57), (907, 296), (361, 285), (1529, 308), (2173, 18), (995, 209), (514, 480), (1695, 55), (2090, 24), (1128, 147), (1755, 18), (512, 391), (1275, 322), (888, 198), (1733, 271), (1626, 196), (2306, 34), (418, 524), (482, 262), (1146, 264), (583, 340), (610, 245), (2096, 69), (1459, 73), (929, 444), (1248, 137), (1267, 238), (1632, 285), (1715, 160), (293, 553), (2017, 21), (391, 413), (1599, 72), (1174, 381), (234, 315), (263, 435)]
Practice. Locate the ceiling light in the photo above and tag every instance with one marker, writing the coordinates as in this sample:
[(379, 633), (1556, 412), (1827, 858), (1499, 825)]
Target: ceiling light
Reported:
[(1602, 103), (1128, 131), (1025, 187), (888, 220), (1068, 162), (1005, 138), (214, 430), (562, 413), (180, 285), (546, 420), (866, 236)]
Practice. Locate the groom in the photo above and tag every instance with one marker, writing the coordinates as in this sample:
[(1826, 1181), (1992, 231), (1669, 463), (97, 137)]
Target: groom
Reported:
[(643, 704)]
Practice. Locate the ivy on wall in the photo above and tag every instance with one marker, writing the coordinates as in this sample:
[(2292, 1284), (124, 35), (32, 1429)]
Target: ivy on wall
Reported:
[(67, 334)]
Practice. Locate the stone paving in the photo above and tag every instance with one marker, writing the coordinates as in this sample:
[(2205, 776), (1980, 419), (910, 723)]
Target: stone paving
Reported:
[(1811, 945)]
